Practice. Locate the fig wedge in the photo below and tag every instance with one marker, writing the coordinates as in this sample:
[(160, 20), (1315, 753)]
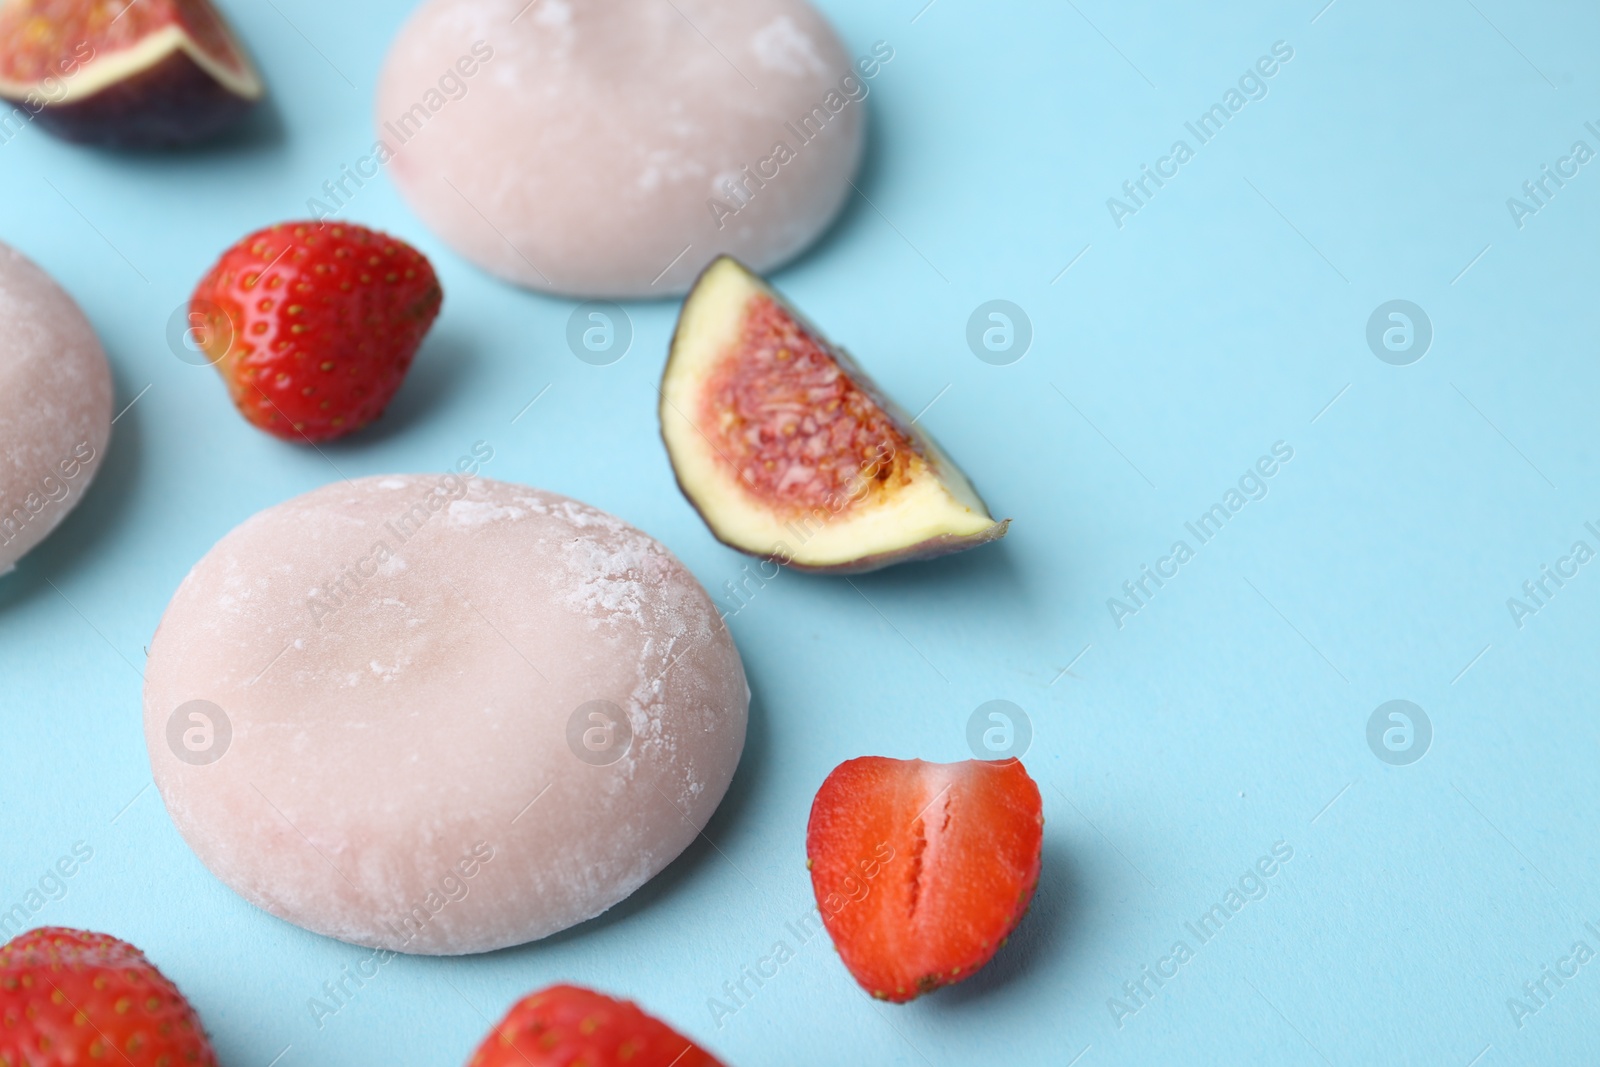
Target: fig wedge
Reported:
[(125, 73), (789, 451)]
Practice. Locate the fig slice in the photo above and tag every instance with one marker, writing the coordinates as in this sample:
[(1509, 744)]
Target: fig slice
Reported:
[(789, 451), (125, 73)]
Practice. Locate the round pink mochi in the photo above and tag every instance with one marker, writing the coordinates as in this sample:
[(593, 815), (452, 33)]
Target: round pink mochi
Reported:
[(613, 148), (55, 405), (441, 714)]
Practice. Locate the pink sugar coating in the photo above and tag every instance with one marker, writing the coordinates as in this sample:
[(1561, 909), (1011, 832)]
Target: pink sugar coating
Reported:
[(55, 405), (582, 156), (398, 658)]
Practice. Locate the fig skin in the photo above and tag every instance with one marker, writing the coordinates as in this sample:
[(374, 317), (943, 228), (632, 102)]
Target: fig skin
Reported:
[(173, 103), (679, 362)]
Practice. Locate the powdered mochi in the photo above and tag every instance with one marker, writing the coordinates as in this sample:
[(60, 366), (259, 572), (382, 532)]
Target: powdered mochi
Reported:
[(612, 148), (440, 714), (55, 405)]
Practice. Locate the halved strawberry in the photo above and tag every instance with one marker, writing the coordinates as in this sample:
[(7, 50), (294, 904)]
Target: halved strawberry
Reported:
[(922, 870), (567, 1025), (314, 326)]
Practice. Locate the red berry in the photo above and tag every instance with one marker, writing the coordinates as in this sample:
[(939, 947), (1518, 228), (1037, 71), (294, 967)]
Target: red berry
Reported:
[(565, 1025), (922, 870), (314, 326), (69, 997)]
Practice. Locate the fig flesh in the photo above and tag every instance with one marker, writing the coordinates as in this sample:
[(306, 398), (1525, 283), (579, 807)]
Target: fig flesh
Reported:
[(124, 73), (790, 452)]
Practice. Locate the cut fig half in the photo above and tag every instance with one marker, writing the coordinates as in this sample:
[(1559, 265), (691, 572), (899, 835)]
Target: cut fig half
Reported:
[(125, 73), (790, 452)]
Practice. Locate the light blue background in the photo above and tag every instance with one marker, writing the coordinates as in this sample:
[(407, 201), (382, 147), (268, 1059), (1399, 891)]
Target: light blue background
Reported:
[(1225, 716)]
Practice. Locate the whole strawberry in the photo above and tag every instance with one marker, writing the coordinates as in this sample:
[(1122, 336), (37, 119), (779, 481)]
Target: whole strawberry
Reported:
[(565, 1025), (69, 997), (314, 326)]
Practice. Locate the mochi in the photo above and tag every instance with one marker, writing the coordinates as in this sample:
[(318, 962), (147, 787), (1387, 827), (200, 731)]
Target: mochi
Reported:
[(611, 148), (55, 405), (439, 714)]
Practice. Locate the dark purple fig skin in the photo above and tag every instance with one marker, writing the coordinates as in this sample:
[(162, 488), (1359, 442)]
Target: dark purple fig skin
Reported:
[(173, 103)]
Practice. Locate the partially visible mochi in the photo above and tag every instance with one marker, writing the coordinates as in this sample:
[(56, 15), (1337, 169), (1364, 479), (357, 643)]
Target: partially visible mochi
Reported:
[(584, 146), (55, 405), (439, 714)]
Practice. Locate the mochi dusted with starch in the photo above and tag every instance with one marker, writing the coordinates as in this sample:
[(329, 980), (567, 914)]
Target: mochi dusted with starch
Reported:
[(439, 714), (55, 405), (612, 148)]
